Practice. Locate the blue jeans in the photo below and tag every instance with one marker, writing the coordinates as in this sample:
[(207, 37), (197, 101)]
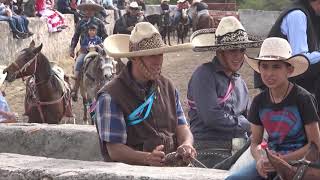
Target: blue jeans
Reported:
[(21, 23), (177, 17), (79, 62), (248, 172), (12, 23)]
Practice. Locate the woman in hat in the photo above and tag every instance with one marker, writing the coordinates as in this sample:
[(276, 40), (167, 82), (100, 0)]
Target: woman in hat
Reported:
[(5, 115), (285, 110), (55, 19), (217, 95), (139, 114)]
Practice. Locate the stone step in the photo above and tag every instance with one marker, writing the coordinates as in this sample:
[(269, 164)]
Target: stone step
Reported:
[(23, 167)]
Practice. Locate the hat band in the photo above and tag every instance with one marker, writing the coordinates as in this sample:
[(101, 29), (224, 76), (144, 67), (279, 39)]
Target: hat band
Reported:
[(148, 43), (273, 57), (237, 36)]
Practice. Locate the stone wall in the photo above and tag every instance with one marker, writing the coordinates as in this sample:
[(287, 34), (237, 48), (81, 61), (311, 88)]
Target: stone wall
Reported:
[(64, 141), (55, 45), (21, 167)]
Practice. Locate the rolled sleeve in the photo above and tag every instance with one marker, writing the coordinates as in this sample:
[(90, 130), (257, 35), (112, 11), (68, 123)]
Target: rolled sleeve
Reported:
[(110, 120), (180, 114)]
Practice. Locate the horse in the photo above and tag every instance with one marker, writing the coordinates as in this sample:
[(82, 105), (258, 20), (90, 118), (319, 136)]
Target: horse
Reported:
[(205, 21), (183, 26), (96, 71), (307, 168), (47, 94), (164, 25)]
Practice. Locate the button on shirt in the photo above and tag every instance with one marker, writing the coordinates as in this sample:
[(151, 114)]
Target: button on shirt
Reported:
[(210, 120)]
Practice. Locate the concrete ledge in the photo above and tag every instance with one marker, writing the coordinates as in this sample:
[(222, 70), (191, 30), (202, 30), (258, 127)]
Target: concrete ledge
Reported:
[(65, 141), (21, 167)]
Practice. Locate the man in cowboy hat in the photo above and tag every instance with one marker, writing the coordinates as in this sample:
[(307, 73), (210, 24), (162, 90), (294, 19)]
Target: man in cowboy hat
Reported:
[(5, 115), (181, 4), (299, 24), (217, 95), (139, 115), (81, 31), (285, 110), (126, 23)]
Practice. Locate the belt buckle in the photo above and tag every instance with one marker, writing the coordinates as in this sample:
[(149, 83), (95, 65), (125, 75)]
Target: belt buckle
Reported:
[(237, 144)]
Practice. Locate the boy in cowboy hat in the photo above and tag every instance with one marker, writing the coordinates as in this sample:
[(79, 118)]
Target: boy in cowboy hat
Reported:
[(5, 115), (285, 110), (217, 95), (81, 32), (139, 115)]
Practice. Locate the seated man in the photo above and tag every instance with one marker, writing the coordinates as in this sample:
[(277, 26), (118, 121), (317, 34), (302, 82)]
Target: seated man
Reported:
[(69, 7), (5, 115), (139, 115), (217, 95)]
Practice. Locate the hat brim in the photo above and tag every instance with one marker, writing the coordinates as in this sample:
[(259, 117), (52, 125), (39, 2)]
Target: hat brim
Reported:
[(117, 46), (204, 40), (2, 76), (299, 62), (93, 7)]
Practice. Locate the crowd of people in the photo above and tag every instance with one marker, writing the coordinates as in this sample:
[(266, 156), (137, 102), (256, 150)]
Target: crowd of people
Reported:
[(139, 116)]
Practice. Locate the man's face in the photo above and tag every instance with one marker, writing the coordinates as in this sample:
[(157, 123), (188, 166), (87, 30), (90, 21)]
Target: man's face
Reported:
[(89, 13), (315, 6), (134, 11), (150, 66), (232, 60)]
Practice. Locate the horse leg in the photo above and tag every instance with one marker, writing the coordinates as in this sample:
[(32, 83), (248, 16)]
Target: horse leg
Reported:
[(168, 34), (85, 110)]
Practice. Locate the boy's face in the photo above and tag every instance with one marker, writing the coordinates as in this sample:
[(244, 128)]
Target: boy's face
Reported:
[(92, 32), (274, 73)]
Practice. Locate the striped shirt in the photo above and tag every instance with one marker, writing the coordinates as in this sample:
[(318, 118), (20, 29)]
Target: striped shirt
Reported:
[(111, 123)]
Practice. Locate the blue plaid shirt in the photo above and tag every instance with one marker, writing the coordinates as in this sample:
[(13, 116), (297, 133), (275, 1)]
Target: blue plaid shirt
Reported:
[(3, 107), (111, 123)]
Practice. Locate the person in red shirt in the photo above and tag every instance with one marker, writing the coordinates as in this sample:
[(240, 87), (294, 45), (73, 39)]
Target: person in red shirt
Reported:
[(181, 4)]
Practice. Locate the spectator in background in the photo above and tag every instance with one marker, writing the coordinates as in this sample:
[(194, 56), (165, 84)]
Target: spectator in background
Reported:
[(181, 4), (5, 115), (142, 5), (55, 20), (69, 7)]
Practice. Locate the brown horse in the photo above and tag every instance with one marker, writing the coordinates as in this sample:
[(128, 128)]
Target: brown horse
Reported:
[(46, 101), (205, 21), (183, 26), (307, 168)]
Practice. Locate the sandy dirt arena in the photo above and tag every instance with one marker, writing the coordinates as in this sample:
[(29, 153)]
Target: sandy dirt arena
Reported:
[(177, 66)]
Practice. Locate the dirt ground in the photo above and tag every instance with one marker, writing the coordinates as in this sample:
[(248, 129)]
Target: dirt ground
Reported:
[(177, 66)]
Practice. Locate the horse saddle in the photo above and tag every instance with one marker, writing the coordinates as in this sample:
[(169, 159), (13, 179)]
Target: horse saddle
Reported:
[(307, 168)]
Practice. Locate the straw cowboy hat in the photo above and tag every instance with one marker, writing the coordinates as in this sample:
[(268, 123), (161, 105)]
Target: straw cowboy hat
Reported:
[(165, 1), (2, 76), (181, 1), (278, 49), (90, 6), (145, 40), (196, 1), (229, 34)]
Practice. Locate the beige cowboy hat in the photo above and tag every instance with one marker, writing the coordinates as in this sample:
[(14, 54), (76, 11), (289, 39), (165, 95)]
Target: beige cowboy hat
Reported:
[(145, 40), (2, 76), (196, 1), (278, 49), (134, 5), (165, 1), (181, 1), (229, 34), (90, 6)]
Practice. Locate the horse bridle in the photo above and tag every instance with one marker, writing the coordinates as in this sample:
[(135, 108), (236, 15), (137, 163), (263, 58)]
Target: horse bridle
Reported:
[(22, 69)]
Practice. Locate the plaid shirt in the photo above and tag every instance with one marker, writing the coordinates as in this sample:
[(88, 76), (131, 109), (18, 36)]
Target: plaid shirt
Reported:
[(111, 123), (3, 107)]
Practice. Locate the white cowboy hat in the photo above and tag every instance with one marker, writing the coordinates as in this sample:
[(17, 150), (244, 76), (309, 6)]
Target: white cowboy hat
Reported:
[(2, 76), (278, 49), (90, 6), (145, 40), (196, 1), (229, 34), (134, 5), (181, 1), (165, 1)]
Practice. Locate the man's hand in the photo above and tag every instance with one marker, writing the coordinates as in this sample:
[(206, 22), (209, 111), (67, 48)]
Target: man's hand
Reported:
[(187, 152), (130, 28), (156, 157)]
